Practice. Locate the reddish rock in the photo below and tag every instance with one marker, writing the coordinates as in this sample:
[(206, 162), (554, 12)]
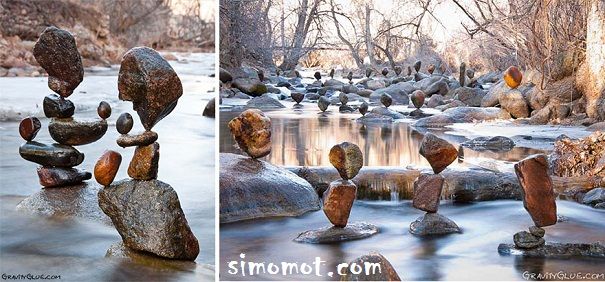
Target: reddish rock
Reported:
[(513, 77), (29, 127), (104, 110), (347, 159), (338, 201), (427, 191), (438, 152), (57, 53), (151, 84), (145, 162), (297, 97), (107, 167), (538, 194), (58, 176), (252, 132), (418, 98)]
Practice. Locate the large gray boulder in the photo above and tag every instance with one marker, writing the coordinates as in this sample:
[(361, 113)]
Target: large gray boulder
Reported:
[(470, 96), (462, 115), (399, 92), (252, 188), (148, 216), (514, 102)]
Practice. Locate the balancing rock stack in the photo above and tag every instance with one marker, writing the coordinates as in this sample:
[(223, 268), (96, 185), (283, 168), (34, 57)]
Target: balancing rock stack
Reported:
[(538, 199), (145, 211), (56, 52), (428, 187), (339, 197)]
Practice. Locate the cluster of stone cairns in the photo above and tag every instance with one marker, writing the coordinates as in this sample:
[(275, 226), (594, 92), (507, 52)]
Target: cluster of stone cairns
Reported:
[(56, 52), (338, 200), (145, 211), (428, 186)]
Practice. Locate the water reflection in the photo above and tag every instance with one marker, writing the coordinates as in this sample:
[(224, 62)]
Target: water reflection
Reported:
[(304, 138)]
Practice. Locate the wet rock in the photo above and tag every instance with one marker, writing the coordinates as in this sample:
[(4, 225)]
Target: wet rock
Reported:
[(57, 106), (333, 234), (594, 197), (323, 103), (107, 167), (209, 110), (57, 53), (51, 155), (386, 112), (363, 108), (538, 194), (427, 192), (338, 201), (462, 115), (556, 250), (149, 81), (104, 110), (386, 100), (347, 159), (124, 123), (69, 131), (438, 152), (387, 271), (470, 96), (433, 224), (250, 86), (264, 102), (145, 162), (29, 127), (435, 100), (418, 98), (526, 240), (297, 97), (69, 201), (224, 75), (251, 189), (496, 143), (141, 139), (252, 132), (513, 77), (514, 103), (58, 176), (537, 231), (149, 218)]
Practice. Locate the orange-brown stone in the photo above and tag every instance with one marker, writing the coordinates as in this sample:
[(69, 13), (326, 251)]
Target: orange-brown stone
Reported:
[(513, 77), (438, 152), (538, 194), (338, 201), (347, 159), (107, 167), (145, 162), (252, 132), (427, 191)]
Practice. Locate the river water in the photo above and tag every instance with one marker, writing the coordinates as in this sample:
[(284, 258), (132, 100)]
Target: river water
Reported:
[(76, 248), (303, 137)]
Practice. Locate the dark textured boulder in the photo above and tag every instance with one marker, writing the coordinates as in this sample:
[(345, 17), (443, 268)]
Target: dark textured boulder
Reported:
[(384, 272), (252, 188), (209, 110), (556, 250), (526, 240), (150, 83), (57, 106), (433, 224), (51, 155), (57, 54), (333, 234), (142, 139), (148, 216), (69, 131), (250, 86), (224, 76)]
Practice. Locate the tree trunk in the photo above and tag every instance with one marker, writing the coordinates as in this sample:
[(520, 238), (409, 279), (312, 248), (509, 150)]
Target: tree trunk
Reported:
[(595, 60), (368, 37)]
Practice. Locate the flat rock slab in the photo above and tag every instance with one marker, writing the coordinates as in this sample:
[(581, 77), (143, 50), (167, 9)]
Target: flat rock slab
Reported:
[(71, 201), (332, 234), (433, 224), (556, 250), (252, 188)]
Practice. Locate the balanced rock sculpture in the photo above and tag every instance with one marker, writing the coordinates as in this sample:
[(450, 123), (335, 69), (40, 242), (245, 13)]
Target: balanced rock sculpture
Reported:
[(145, 211)]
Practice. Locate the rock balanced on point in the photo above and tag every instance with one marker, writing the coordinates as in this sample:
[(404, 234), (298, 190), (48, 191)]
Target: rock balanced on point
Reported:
[(338, 199), (57, 53), (252, 132), (428, 188)]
